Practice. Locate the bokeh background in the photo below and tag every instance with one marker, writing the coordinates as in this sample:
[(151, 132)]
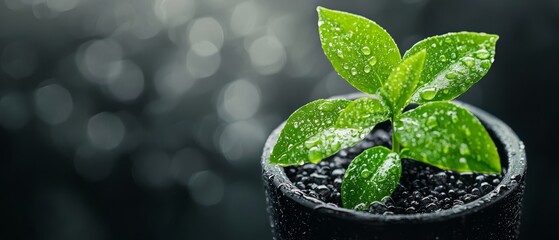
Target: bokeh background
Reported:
[(145, 119)]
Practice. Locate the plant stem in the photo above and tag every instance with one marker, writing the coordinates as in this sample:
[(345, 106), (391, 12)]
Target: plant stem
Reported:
[(395, 143)]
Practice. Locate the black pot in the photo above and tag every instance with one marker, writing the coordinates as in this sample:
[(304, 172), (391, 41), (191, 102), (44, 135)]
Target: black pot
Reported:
[(294, 215)]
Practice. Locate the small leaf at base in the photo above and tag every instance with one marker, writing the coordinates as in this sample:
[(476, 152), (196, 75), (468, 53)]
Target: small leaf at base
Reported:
[(372, 175)]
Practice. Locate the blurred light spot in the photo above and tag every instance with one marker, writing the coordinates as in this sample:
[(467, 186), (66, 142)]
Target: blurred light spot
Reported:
[(202, 66), (129, 83), (185, 163), (267, 55), (100, 60), (169, 11), (206, 188), (13, 112), (145, 27), (206, 29), (151, 168), (42, 11), (240, 100), (53, 104), (172, 80), (62, 5), (204, 48), (105, 130), (19, 60), (241, 142), (285, 27), (244, 18), (92, 164)]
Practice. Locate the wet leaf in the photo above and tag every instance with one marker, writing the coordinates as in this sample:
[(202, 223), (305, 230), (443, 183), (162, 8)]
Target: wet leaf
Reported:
[(363, 112), (447, 136), (361, 51), (310, 134), (455, 62), (372, 175), (402, 82)]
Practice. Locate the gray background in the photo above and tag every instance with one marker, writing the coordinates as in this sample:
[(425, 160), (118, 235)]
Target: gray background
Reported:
[(145, 119)]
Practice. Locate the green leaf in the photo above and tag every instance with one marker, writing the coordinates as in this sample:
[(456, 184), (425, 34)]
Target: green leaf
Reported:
[(310, 135), (363, 112), (455, 62), (402, 82), (447, 136), (361, 51), (372, 175)]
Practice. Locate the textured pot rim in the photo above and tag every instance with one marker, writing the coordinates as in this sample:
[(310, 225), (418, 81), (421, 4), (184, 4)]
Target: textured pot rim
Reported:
[(511, 144)]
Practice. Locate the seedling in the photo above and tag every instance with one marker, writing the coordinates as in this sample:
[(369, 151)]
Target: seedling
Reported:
[(431, 73)]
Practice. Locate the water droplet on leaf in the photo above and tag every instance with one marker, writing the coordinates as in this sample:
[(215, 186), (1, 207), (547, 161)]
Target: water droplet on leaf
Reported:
[(428, 93), (469, 61), (451, 75), (340, 53), (346, 66), (366, 50), (464, 149), (353, 71), (367, 69), (432, 122), (365, 173), (373, 61), (482, 54)]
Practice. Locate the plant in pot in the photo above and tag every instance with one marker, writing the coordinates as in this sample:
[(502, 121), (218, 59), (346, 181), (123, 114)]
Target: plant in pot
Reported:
[(401, 160)]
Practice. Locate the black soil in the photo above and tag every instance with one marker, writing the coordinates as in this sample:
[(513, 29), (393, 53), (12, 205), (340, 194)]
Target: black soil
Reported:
[(422, 188)]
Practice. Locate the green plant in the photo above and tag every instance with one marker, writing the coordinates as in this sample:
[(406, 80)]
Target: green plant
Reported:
[(431, 73)]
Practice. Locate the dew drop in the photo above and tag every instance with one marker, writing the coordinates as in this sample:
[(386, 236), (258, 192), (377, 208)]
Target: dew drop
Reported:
[(428, 93), (451, 75), (453, 55), (346, 66), (372, 61), (454, 118), (442, 58), (365, 173), (367, 69), (311, 142), (353, 71), (314, 156), (434, 45), (295, 124), (462, 160), (482, 54), (466, 131), (366, 50), (469, 61), (485, 64), (448, 40), (464, 149), (432, 122), (340, 53)]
